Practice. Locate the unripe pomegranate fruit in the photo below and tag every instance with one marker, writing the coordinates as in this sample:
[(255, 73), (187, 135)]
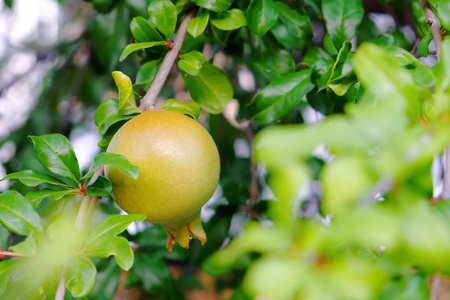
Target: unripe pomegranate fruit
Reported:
[(179, 172)]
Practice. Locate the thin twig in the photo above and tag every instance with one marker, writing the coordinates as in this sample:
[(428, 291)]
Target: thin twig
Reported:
[(435, 287), (435, 27), (150, 97)]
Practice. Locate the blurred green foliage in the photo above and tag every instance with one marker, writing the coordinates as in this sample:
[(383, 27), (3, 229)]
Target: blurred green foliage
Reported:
[(327, 124)]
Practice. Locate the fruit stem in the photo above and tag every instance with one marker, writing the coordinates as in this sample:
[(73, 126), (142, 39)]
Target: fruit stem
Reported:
[(161, 77)]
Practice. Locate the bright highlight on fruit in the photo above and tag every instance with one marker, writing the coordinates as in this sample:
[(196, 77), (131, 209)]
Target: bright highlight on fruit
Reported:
[(179, 172)]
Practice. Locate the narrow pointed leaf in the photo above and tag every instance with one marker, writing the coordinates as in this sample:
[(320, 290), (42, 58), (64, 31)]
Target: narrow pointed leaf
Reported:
[(80, 275), (138, 46), (280, 97), (112, 226), (116, 160), (126, 96), (32, 178), (298, 25), (56, 154), (37, 196), (108, 114), (17, 214)]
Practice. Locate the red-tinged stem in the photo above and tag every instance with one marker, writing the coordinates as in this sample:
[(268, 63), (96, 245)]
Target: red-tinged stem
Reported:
[(150, 97), (9, 254)]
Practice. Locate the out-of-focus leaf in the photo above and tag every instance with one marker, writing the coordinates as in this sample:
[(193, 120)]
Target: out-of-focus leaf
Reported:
[(261, 15), (117, 161), (342, 18), (102, 187), (229, 20), (280, 96), (197, 25), (110, 35), (26, 247), (17, 214), (275, 65), (423, 45), (56, 154), (112, 226), (191, 109), (298, 25), (35, 197), (143, 31), (211, 88), (107, 282), (443, 11), (192, 62), (214, 5), (80, 274), (164, 15), (63, 239), (32, 178), (385, 40), (154, 273), (117, 246), (9, 3), (139, 46), (103, 5)]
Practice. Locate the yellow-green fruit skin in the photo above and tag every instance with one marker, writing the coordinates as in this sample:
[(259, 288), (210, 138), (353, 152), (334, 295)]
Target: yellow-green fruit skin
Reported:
[(179, 169)]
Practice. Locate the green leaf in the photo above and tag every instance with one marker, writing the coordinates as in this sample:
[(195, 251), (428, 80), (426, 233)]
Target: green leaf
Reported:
[(280, 97), (423, 45), (229, 20), (17, 214), (36, 197), (117, 246), (143, 31), (32, 178), (80, 274), (441, 69), (342, 18), (9, 3), (191, 109), (112, 226), (101, 187), (164, 15), (154, 273), (126, 96), (56, 154), (214, 5), (443, 11), (197, 25), (138, 46), (192, 62), (342, 76), (108, 114), (26, 247), (275, 65), (211, 88), (63, 239), (147, 72), (298, 25), (261, 15), (110, 35), (116, 160)]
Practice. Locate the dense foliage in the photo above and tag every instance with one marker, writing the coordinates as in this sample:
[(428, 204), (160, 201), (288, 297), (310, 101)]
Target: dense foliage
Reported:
[(327, 123)]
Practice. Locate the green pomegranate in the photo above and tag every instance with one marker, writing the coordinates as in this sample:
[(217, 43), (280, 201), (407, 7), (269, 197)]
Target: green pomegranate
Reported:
[(179, 172)]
